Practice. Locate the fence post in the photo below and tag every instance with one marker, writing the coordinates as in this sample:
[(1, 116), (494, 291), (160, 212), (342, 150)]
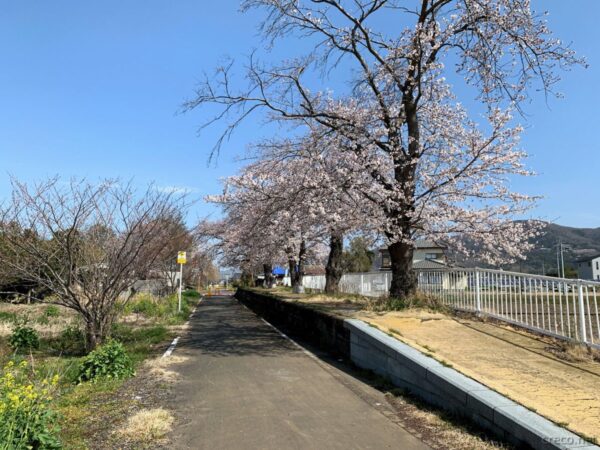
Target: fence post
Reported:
[(583, 333), (361, 283), (477, 292)]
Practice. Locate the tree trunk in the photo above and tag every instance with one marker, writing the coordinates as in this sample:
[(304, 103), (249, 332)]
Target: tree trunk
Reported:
[(246, 279), (297, 270), (268, 270), (293, 270), (334, 269), (94, 334), (404, 280)]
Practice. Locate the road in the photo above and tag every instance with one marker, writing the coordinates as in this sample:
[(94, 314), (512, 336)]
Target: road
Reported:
[(244, 386)]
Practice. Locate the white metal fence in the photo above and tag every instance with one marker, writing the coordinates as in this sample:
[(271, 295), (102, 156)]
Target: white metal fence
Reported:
[(371, 284), (560, 307)]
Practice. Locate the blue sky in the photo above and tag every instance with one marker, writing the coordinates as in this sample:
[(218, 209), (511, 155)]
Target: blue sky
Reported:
[(93, 89)]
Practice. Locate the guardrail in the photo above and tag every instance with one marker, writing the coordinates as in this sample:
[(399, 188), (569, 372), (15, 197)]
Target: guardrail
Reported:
[(559, 307)]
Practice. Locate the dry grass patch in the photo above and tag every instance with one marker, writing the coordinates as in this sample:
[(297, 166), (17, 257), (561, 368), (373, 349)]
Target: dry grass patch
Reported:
[(147, 425), (160, 367), (440, 430), (575, 353), (37, 315)]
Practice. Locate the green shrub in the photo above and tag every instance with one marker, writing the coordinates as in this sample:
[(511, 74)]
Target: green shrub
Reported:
[(52, 311), (8, 316), (396, 304), (26, 418), (107, 361), (163, 309), (149, 307), (190, 294), (43, 320), (71, 341), (24, 337)]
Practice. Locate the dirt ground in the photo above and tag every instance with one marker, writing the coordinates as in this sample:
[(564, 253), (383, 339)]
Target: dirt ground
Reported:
[(528, 369)]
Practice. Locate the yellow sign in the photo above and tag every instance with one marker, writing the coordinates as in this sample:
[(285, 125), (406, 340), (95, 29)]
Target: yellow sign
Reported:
[(181, 258)]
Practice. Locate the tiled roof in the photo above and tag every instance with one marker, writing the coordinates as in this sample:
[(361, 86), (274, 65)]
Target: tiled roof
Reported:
[(429, 264), (588, 258), (422, 243)]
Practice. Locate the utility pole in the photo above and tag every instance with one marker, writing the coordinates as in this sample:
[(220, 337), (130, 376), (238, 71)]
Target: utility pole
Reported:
[(557, 262), (562, 259)]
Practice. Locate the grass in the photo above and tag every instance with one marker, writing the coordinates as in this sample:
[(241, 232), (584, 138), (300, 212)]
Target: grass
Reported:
[(80, 405), (147, 425), (159, 367)]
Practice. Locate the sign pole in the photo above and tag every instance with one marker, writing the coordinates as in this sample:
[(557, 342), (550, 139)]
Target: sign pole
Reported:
[(181, 260), (180, 286)]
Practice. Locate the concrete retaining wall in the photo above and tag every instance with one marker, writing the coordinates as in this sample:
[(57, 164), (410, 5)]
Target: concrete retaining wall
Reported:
[(411, 370), (446, 388), (319, 328)]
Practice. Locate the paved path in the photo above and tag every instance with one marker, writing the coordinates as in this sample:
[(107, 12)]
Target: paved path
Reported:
[(246, 387)]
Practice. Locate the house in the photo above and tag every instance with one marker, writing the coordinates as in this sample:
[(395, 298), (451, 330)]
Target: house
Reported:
[(427, 255), (589, 268)]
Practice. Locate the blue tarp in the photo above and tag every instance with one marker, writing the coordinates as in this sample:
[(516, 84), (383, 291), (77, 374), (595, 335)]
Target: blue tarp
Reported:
[(278, 271)]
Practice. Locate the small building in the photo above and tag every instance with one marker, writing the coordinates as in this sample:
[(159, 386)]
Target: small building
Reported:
[(589, 268), (427, 255)]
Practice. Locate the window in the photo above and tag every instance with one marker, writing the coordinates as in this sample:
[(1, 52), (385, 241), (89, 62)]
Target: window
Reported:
[(598, 265), (385, 261), (432, 255)]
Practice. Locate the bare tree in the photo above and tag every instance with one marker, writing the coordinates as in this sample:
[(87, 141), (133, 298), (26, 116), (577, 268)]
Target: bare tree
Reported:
[(85, 243), (200, 269), (179, 238)]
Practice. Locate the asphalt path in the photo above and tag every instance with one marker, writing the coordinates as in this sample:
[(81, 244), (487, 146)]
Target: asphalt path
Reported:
[(244, 386)]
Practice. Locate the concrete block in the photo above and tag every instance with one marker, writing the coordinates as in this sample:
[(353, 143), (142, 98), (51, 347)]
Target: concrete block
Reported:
[(484, 402), (453, 383), (534, 430), (368, 359), (405, 354), (399, 371), (418, 364), (486, 424)]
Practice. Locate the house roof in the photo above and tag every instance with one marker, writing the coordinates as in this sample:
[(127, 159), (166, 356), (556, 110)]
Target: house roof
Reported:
[(429, 264), (422, 244), (588, 258)]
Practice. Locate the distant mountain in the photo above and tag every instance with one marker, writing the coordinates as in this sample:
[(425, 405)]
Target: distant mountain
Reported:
[(578, 243)]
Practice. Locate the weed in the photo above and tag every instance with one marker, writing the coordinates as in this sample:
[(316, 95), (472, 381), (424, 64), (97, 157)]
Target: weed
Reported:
[(107, 361), (24, 338), (71, 341), (52, 311), (426, 347), (6, 316)]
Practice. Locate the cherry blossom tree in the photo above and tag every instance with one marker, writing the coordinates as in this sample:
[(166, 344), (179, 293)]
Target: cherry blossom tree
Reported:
[(434, 170), (300, 196), (261, 229)]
